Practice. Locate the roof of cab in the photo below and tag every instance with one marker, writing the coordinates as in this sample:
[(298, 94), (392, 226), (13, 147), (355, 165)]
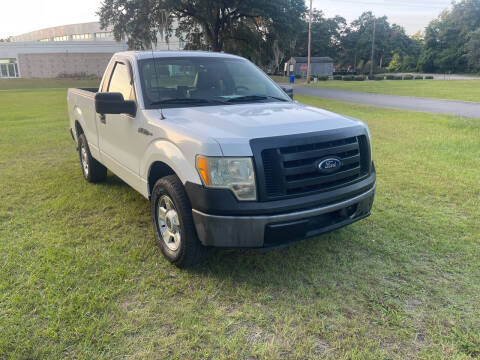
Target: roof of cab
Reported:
[(139, 55)]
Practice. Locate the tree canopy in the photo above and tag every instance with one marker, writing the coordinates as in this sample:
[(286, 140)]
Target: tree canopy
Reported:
[(269, 32), (452, 40), (240, 26)]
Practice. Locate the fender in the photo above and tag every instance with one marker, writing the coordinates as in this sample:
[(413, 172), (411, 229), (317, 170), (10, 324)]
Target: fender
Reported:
[(168, 153), (77, 116)]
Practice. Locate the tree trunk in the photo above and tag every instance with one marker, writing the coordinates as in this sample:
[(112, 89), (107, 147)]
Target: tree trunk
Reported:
[(216, 44), (212, 34)]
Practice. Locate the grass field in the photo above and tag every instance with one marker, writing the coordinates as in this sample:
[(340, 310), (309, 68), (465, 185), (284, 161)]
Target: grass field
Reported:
[(82, 278), (9, 84), (464, 90)]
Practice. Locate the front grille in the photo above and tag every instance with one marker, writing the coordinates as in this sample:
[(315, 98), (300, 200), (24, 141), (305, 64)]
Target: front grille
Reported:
[(292, 170)]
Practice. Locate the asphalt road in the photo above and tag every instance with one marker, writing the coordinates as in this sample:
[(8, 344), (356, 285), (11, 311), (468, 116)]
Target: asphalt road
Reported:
[(436, 106)]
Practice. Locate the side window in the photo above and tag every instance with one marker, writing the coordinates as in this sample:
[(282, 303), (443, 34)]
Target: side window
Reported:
[(120, 81)]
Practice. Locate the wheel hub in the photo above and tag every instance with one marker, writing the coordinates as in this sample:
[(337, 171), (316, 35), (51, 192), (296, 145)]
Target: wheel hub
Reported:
[(84, 159), (168, 223)]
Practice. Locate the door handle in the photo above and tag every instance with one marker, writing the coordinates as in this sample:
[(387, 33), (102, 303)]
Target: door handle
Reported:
[(103, 119), (144, 132)]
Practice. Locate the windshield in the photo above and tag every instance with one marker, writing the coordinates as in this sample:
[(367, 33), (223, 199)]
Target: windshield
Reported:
[(199, 81)]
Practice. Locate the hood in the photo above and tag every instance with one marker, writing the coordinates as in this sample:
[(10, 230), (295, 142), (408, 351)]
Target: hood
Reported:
[(235, 125)]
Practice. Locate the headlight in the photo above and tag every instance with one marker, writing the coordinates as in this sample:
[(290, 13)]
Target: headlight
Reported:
[(231, 173)]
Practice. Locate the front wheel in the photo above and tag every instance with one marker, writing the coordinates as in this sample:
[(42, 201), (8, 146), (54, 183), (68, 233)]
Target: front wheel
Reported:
[(173, 223)]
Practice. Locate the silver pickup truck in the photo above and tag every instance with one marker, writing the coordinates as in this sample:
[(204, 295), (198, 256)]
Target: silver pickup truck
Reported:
[(225, 156)]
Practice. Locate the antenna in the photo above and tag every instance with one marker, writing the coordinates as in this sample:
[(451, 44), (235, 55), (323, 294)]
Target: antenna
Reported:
[(156, 77)]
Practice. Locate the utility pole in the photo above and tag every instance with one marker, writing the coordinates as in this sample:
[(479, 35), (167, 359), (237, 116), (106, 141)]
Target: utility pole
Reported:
[(309, 44), (373, 47)]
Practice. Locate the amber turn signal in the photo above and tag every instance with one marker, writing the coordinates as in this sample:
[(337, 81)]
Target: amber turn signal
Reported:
[(202, 166)]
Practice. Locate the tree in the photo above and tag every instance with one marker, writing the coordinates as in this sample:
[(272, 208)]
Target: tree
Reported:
[(326, 35), (241, 26), (447, 39), (137, 21), (396, 63), (473, 50), (390, 39)]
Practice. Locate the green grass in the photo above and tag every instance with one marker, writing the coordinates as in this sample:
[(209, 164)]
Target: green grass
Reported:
[(82, 278), (9, 84), (280, 79), (464, 90)]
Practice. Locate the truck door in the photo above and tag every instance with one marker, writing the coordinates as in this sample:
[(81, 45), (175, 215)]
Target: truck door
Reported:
[(119, 141)]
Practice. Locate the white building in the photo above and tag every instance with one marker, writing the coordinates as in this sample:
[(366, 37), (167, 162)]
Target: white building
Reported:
[(69, 50)]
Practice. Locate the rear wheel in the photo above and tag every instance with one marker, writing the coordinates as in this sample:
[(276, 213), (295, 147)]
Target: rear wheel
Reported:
[(92, 170), (173, 223)]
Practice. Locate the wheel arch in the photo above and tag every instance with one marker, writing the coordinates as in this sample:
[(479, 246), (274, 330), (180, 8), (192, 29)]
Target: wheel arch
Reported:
[(164, 158), (79, 122), (78, 129), (157, 170)]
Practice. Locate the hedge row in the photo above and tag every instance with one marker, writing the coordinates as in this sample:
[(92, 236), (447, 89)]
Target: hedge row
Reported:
[(312, 77), (363, 77), (354, 78), (400, 77)]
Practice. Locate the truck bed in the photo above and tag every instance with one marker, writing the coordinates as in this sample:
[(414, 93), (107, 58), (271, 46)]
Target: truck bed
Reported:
[(81, 108), (88, 92)]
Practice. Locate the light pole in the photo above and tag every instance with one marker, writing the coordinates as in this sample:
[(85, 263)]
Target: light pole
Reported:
[(309, 43), (373, 48)]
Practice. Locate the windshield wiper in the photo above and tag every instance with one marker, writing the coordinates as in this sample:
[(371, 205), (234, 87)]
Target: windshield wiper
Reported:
[(254, 98), (186, 101)]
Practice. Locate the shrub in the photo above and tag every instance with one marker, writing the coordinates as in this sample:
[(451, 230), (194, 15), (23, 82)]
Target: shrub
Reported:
[(348, 78), (418, 77), (337, 77), (429, 77), (408, 77), (322, 77), (298, 76), (378, 77), (397, 77), (360, 78), (390, 77), (344, 72), (80, 75)]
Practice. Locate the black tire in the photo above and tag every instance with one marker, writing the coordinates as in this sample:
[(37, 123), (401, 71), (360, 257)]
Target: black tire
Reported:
[(187, 251), (92, 170)]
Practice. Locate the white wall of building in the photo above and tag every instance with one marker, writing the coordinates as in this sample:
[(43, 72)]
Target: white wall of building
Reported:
[(91, 44), (37, 60)]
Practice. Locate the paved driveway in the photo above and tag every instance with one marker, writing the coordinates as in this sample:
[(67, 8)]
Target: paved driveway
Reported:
[(451, 107)]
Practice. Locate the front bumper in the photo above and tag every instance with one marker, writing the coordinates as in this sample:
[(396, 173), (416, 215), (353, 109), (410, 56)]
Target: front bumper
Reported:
[(272, 230)]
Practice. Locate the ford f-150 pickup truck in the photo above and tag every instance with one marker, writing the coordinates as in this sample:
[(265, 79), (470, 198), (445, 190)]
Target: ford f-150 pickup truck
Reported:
[(226, 158)]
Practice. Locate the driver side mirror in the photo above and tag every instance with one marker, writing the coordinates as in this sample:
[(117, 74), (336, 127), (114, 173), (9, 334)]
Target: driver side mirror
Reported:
[(114, 103), (288, 90)]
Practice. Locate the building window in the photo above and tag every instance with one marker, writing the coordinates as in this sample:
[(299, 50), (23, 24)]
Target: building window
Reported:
[(61, 38), (82, 37), (181, 44), (43, 40), (104, 35), (8, 68)]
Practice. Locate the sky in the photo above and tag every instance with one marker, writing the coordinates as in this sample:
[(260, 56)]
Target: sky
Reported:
[(21, 16), (413, 15)]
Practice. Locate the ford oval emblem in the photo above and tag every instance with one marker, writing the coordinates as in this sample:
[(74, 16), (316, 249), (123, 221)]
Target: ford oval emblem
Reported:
[(330, 165)]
